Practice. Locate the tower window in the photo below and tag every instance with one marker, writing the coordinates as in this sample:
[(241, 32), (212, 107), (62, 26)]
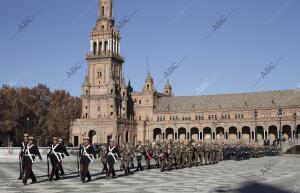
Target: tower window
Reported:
[(95, 47), (105, 47), (86, 92), (103, 11), (111, 91), (148, 86)]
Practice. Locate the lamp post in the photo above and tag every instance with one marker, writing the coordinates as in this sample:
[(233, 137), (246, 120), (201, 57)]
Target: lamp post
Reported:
[(255, 118), (295, 121), (27, 124), (148, 123), (280, 132)]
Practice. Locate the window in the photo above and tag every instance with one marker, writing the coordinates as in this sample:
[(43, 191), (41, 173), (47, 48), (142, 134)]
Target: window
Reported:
[(86, 115), (102, 11), (98, 108), (86, 107), (134, 100), (140, 101), (208, 117), (140, 118)]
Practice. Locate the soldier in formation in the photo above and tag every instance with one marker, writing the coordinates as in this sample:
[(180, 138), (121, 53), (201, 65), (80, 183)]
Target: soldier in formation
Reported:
[(30, 154)]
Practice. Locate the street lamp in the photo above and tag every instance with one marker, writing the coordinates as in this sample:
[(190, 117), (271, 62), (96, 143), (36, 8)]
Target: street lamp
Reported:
[(280, 118), (148, 123), (295, 121), (27, 124), (255, 117)]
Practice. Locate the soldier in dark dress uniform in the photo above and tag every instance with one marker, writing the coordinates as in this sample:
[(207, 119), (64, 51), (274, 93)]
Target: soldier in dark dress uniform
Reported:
[(112, 153), (21, 155), (29, 156), (86, 153), (63, 152), (56, 157)]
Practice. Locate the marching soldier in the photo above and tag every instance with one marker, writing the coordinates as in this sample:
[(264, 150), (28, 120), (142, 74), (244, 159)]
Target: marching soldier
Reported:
[(163, 157), (183, 154), (149, 154), (63, 152), (127, 157), (55, 158), (201, 149), (111, 156), (21, 155), (132, 157), (156, 150), (122, 165), (177, 155), (103, 159), (139, 152), (190, 153), (86, 153), (206, 153), (29, 156)]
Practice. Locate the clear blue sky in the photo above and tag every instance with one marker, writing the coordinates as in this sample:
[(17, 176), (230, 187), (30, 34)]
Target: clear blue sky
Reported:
[(257, 33)]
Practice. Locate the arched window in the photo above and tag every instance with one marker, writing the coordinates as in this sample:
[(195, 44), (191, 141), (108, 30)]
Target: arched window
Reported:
[(105, 46), (126, 137), (103, 11), (95, 47)]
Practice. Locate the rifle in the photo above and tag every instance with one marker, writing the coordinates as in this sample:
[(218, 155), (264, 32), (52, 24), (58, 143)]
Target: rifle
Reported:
[(78, 162), (48, 166), (20, 164)]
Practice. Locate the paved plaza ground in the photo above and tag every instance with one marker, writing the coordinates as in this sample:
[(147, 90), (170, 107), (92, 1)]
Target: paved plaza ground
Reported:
[(267, 175)]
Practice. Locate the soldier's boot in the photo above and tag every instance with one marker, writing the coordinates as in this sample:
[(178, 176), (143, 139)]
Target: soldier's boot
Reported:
[(162, 168)]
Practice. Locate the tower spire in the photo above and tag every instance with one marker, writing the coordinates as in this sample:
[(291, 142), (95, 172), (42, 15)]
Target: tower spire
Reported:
[(105, 8)]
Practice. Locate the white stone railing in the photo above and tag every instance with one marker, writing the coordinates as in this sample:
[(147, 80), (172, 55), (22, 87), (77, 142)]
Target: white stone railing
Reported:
[(289, 144)]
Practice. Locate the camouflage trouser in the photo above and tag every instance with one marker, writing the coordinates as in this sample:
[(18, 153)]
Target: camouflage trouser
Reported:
[(206, 156), (183, 160), (201, 155), (211, 157), (131, 162), (122, 167), (190, 159), (104, 164), (148, 166), (162, 165), (126, 164), (196, 158), (178, 160)]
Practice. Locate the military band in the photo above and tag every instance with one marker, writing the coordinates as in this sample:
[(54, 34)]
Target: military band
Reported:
[(163, 155)]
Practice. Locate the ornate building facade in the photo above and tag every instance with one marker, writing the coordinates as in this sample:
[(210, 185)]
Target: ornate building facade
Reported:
[(110, 108)]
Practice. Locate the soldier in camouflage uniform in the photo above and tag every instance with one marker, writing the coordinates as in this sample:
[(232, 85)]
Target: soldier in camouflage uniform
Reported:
[(156, 150), (148, 154), (163, 157), (190, 153), (127, 157), (177, 151), (183, 155), (131, 156), (102, 154), (139, 153), (122, 165)]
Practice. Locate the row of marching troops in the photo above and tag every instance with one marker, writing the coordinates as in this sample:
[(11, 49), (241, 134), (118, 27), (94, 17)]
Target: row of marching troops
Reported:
[(166, 155)]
